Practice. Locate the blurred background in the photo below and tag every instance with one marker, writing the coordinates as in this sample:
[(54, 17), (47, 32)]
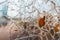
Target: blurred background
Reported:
[(30, 19)]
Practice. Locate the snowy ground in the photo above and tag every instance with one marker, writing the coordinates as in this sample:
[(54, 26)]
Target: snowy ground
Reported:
[(25, 8)]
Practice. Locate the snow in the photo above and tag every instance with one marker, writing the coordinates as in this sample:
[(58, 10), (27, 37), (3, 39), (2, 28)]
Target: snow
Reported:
[(24, 7)]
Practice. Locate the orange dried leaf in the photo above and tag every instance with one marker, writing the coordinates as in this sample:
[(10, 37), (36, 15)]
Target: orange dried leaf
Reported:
[(56, 27), (41, 22)]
